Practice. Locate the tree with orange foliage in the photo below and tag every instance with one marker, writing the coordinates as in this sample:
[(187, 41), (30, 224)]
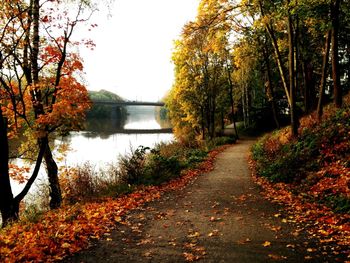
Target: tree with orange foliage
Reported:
[(40, 86)]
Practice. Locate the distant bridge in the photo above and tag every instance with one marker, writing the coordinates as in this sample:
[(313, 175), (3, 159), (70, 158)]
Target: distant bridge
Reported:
[(128, 103)]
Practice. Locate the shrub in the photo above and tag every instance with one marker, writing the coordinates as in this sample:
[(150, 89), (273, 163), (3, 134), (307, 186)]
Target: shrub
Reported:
[(160, 169), (319, 153), (132, 166), (218, 141)]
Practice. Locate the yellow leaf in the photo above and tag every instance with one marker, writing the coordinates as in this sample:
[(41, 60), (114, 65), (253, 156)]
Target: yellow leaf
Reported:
[(195, 234), (311, 249), (267, 244), (65, 245)]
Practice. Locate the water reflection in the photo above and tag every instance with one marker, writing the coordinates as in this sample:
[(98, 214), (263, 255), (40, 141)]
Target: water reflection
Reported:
[(105, 139), (139, 119)]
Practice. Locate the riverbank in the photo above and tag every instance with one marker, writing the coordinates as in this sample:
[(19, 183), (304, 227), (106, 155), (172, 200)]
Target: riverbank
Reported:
[(53, 235)]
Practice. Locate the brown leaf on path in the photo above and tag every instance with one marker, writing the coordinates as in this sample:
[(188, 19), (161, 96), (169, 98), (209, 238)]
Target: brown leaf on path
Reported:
[(215, 232), (144, 242), (310, 250), (276, 257), (192, 235), (172, 243), (276, 228), (147, 254), (190, 245), (189, 257), (244, 241)]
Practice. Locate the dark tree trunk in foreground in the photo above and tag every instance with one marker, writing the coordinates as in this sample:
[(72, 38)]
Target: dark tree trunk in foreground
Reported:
[(52, 172), (8, 208)]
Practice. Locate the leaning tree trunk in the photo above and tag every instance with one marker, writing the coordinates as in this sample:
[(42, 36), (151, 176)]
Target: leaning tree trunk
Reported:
[(278, 56), (269, 88)]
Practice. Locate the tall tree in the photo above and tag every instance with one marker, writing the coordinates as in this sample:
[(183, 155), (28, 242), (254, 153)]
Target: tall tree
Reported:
[(39, 88), (335, 11)]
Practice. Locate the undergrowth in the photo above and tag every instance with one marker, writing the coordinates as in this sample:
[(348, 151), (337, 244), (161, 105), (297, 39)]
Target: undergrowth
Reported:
[(316, 164), (141, 166)]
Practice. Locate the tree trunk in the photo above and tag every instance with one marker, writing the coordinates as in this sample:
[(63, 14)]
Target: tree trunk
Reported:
[(278, 56), (338, 97), (324, 76), (309, 87), (269, 88), (292, 90), (52, 173), (51, 166), (202, 123), (8, 208), (232, 102)]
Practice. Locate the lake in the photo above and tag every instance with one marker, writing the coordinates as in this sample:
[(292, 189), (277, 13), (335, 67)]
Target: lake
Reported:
[(104, 140)]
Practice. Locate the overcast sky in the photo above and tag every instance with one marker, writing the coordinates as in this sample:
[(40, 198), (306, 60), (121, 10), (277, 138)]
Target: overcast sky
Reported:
[(133, 53)]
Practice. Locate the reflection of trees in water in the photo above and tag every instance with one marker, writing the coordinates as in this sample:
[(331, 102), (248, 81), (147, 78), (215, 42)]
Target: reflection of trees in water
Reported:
[(104, 127), (162, 118)]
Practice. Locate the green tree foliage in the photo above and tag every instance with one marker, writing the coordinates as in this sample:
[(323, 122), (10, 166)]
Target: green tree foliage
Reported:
[(104, 111)]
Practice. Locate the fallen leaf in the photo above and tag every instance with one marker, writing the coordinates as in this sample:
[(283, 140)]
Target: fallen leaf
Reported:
[(147, 254), (195, 234), (65, 245), (311, 250), (213, 233), (190, 257), (266, 244), (276, 257)]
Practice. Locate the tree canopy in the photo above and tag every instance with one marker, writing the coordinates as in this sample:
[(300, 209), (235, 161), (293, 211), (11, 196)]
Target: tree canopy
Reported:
[(41, 86), (274, 59)]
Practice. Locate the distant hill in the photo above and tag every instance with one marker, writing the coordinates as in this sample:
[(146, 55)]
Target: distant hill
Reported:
[(104, 111), (104, 95)]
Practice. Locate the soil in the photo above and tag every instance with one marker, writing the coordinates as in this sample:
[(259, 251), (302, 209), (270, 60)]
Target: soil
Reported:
[(220, 217)]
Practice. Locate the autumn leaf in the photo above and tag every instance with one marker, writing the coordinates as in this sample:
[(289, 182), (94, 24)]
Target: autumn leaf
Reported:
[(190, 257), (266, 244), (82, 222), (65, 245), (277, 257), (194, 234)]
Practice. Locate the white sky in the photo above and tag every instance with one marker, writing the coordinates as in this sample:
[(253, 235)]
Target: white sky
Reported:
[(133, 53)]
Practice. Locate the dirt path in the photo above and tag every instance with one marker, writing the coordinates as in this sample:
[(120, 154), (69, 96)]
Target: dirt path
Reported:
[(220, 217)]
